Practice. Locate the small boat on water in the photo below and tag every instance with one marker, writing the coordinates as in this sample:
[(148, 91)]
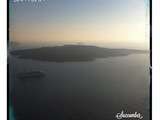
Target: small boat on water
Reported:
[(32, 74)]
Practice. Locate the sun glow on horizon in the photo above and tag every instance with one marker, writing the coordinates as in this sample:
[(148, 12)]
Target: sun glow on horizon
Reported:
[(123, 25)]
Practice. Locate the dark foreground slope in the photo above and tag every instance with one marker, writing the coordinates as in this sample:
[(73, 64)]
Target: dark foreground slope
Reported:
[(72, 53)]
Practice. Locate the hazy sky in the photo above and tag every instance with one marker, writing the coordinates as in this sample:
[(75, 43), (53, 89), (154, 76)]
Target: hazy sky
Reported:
[(109, 23)]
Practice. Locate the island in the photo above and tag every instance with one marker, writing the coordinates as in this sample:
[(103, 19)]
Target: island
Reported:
[(69, 53)]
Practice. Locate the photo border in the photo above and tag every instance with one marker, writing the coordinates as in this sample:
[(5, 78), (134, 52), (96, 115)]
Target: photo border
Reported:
[(150, 48)]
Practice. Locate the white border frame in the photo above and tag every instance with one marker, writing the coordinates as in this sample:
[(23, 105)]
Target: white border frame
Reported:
[(3, 59), (156, 60)]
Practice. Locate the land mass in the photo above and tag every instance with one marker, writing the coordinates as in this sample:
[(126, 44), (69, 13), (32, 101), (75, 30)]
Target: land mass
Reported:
[(69, 53)]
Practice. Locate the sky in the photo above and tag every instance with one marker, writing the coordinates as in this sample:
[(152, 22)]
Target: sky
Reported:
[(107, 23)]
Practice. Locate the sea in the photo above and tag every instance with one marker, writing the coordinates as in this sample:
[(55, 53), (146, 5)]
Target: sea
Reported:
[(91, 90)]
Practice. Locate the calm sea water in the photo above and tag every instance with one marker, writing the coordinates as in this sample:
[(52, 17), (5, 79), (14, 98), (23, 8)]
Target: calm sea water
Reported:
[(95, 90)]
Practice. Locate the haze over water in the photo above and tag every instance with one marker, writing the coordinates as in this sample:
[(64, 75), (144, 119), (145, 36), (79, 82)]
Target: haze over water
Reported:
[(105, 23)]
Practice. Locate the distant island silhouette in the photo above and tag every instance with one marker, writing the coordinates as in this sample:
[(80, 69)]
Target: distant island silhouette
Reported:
[(69, 53)]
